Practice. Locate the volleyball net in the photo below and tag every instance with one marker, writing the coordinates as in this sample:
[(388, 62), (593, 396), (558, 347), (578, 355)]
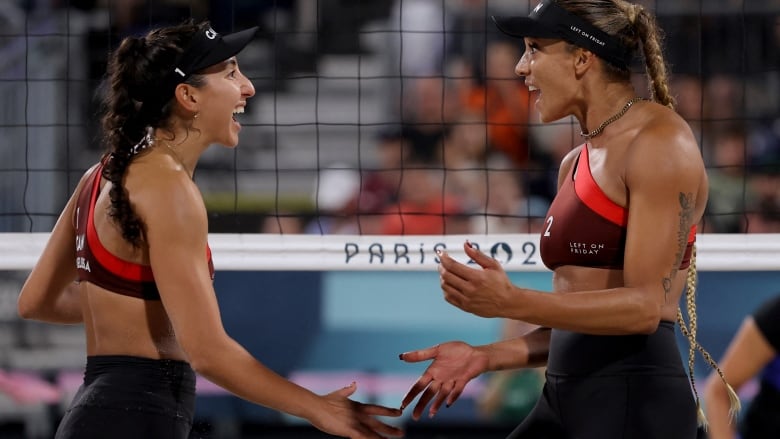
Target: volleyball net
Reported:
[(380, 132), (386, 119)]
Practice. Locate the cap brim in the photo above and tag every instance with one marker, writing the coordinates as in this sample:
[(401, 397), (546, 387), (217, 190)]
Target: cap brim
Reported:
[(520, 27), (229, 46)]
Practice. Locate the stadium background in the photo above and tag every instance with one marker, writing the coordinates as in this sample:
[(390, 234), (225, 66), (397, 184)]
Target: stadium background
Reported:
[(342, 87)]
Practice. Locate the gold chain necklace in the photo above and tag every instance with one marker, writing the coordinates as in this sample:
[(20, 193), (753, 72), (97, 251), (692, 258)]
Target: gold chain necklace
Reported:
[(618, 115)]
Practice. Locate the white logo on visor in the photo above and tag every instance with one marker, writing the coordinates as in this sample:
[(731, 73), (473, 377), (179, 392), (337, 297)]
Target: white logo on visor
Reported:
[(211, 34), (536, 9)]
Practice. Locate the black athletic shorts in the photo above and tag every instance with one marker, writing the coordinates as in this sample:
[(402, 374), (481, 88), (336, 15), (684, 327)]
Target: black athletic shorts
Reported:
[(613, 387), (617, 407), (131, 397)]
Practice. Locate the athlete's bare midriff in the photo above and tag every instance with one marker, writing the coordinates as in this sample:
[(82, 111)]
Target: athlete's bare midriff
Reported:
[(569, 278), (122, 325)]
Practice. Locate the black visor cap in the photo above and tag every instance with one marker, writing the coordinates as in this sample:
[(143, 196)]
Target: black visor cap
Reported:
[(549, 20), (209, 48), (206, 49), (520, 27), (226, 47)]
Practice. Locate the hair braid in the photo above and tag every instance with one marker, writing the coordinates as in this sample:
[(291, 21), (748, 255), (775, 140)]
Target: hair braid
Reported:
[(134, 74), (123, 128), (689, 331), (650, 35)]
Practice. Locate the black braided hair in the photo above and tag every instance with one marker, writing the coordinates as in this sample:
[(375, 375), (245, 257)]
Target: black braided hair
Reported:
[(133, 108)]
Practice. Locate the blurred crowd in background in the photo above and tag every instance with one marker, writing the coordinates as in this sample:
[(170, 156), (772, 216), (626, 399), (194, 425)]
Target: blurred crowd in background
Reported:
[(457, 147), (379, 117)]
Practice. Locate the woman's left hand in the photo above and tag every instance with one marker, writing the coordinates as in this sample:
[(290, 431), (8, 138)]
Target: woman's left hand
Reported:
[(484, 292)]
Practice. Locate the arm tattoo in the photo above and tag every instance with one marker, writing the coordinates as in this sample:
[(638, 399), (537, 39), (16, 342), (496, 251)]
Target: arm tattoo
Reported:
[(687, 203)]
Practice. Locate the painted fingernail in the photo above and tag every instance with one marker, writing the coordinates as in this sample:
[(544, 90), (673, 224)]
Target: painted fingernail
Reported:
[(468, 243), (447, 405), (400, 356)]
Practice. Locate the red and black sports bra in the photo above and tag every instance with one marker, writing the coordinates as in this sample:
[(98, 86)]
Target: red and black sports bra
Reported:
[(97, 265), (585, 228)]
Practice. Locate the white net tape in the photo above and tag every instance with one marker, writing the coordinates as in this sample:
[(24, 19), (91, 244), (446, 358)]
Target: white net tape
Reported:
[(518, 252)]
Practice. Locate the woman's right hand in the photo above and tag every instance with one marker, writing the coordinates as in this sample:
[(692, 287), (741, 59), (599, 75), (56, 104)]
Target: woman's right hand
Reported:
[(344, 417), (454, 364)]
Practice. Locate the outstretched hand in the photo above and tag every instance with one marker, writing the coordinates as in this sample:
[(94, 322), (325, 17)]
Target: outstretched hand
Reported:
[(344, 417), (483, 292), (454, 365)]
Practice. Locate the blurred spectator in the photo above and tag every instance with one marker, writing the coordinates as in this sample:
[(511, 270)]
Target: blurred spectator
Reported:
[(464, 156), (688, 91), (764, 160), (549, 145), (429, 106), (471, 32), (503, 99), (380, 185), (729, 189), (414, 48), (417, 40), (503, 206), (333, 192), (763, 216), (724, 98), (423, 207)]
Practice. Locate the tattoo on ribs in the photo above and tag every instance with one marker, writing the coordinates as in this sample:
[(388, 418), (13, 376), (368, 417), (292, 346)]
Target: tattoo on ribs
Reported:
[(667, 282), (687, 203)]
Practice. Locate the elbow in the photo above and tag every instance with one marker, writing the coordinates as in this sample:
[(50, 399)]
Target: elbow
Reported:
[(201, 364), (205, 357), (648, 317), (25, 308), (200, 360)]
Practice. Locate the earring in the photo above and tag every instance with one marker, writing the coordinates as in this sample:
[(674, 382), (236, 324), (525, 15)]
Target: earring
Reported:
[(195, 116)]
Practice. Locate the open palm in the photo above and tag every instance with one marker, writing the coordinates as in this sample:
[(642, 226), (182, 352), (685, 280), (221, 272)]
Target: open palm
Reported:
[(454, 365)]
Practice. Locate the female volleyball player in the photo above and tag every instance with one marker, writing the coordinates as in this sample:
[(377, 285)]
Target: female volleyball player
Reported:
[(618, 236), (134, 235), (752, 352)]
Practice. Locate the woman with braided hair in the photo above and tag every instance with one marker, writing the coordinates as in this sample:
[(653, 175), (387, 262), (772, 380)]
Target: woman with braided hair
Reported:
[(133, 237), (619, 238)]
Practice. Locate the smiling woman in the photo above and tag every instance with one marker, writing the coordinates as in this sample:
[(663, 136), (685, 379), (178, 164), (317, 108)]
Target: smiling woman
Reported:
[(619, 237), (139, 276)]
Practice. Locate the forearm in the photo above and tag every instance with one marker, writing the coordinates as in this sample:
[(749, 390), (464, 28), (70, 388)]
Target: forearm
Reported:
[(62, 307), (616, 311), (716, 403), (231, 367), (529, 350)]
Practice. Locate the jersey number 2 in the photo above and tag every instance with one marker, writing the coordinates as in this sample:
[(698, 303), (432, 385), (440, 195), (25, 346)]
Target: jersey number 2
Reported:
[(549, 225)]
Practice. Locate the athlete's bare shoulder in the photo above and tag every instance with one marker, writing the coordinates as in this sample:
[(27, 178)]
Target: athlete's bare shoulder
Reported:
[(665, 132), (664, 152)]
